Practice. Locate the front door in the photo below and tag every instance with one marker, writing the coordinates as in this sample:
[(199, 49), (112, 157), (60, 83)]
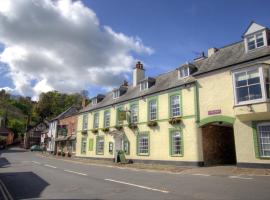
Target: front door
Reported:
[(118, 145)]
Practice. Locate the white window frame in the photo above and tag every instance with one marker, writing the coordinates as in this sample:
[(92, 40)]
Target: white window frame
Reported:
[(96, 121), (134, 113), (171, 105), (85, 122), (144, 85), (94, 101), (107, 116), (142, 144), (263, 32), (262, 83), (180, 74), (259, 139), (116, 94), (173, 135), (151, 112), (100, 145)]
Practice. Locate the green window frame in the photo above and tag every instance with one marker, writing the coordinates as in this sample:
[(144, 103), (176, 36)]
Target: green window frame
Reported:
[(143, 144), (100, 145), (176, 142), (261, 136), (118, 122), (107, 118), (96, 121), (83, 145), (174, 109), (134, 112), (91, 144), (85, 122), (152, 111)]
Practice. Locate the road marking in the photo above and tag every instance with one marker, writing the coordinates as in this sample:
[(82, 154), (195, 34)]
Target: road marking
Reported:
[(139, 186), (50, 166), (75, 172), (200, 174), (5, 191), (36, 162), (239, 177)]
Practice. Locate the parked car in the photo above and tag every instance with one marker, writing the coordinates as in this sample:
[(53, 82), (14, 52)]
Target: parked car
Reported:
[(35, 148)]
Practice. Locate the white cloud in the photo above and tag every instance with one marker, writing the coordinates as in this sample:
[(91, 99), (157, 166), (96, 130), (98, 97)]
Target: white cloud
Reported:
[(60, 45)]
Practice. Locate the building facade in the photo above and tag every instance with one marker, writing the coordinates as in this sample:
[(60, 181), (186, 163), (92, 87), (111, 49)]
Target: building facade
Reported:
[(213, 110)]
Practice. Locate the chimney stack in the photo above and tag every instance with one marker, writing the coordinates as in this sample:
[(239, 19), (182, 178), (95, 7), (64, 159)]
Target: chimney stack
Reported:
[(212, 51), (138, 73), (125, 84)]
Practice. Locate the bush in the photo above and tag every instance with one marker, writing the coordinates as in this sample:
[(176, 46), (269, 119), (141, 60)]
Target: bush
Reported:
[(175, 120), (152, 123), (94, 130), (133, 126)]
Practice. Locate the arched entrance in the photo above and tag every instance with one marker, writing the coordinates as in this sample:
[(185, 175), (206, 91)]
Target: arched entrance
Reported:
[(118, 142), (218, 140)]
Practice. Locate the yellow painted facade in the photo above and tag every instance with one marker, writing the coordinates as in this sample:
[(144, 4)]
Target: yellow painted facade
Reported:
[(159, 148)]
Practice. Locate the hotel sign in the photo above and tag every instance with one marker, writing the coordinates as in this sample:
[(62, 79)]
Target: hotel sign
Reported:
[(214, 112)]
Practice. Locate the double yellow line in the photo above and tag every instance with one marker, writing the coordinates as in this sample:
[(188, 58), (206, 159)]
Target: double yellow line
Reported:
[(5, 192)]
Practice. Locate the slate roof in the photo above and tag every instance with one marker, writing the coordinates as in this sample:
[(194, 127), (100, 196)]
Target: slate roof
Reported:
[(163, 82), (229, 55), (73, 110)]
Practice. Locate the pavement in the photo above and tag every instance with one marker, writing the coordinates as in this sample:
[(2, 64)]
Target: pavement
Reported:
[(26, 175)]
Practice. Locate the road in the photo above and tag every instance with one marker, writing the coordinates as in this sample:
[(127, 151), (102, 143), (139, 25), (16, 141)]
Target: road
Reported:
[(29, 176)]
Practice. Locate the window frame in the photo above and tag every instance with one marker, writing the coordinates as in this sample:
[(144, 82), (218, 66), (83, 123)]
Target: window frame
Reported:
[(94, 120), (177, 93), (254, 37), (259, 141), (171, 131), (104, 123), (85, 122), (83, 141), (116, 94), (262, 83), (98, 138), (131, 115), (146, 84), (180, 74), (117, 116), (149, 100), (143, 134)]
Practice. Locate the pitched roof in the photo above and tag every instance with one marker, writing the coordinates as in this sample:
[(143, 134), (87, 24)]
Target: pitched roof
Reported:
[(163, 82), (67, 113), (230, 55)]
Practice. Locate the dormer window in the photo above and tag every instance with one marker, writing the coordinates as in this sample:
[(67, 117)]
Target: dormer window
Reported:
[(255, 37), (116, 94), (94, 101), (255, 41), (143, 85), (186, 70), (147, 83)]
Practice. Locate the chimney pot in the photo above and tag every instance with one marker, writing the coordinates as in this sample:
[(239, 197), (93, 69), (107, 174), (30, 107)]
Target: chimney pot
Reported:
[(139, 65)]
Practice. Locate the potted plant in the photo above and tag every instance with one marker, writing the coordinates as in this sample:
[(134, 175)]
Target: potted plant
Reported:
[(59, 153), (175, 120), (106, 129), (118, 127), (95, 130), (152, 123), (63, 154), (84, 132), (133, 126)]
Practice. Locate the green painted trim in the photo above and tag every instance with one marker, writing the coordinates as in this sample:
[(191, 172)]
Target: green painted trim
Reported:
[(83, 116), (97, 139), (128, 143), (83, 139), (107, 110), (255, 139), (96, 113), (91, 144), (139, 134), (116, 121), (218, 118), (179, 93), (197, 102), (171, 130), (257, 148), (155, 98), (138, 114)]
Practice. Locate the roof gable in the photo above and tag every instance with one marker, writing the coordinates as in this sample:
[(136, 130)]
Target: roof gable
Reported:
[(253, 27)]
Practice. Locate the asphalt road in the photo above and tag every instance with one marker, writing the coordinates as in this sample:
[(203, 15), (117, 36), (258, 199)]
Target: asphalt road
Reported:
[(28, 176)]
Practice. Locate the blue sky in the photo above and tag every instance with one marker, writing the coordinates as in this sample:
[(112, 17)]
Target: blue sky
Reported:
[(176, 30), (179, 30)]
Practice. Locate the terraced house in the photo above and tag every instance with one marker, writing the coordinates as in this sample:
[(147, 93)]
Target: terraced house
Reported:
[(213, 110)]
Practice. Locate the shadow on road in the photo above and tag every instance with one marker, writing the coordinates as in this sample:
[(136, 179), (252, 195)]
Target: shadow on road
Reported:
[(4, 162), (23, 185)]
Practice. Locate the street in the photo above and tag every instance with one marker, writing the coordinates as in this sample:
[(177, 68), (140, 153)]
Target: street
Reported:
[(29, 176)]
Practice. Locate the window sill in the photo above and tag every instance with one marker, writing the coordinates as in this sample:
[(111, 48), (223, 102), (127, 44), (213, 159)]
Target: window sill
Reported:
[(143, 154), (264, 157), (177, 155), (247, 103)]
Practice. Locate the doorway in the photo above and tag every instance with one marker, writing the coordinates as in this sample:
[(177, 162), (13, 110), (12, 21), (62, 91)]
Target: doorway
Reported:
[(118, 145), (218, 144)]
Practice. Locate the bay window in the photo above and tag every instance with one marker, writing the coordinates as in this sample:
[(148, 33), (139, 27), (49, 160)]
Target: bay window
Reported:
[(251, 85)]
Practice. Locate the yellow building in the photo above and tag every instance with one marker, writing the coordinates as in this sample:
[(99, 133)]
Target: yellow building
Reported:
[(214, 110)]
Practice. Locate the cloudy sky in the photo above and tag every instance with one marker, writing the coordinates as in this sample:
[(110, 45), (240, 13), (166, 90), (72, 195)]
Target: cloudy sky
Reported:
[(74, 45)]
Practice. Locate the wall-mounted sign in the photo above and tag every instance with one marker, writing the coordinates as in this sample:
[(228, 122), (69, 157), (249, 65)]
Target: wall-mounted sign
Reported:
[(214, 112)]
